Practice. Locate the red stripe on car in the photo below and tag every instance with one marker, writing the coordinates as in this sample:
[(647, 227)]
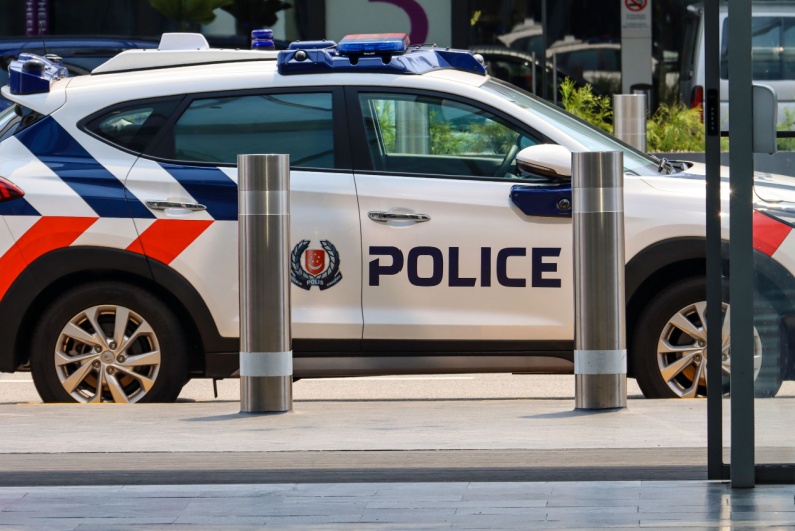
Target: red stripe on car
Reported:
[(47, 234), (768, 233), (165, 239)]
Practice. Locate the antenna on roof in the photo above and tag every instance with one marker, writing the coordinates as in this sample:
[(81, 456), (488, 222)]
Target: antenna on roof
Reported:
[(41, 32)]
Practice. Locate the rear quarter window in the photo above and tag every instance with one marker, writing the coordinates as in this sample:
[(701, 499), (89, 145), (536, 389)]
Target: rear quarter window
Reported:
[(134, 126), (15, 119)]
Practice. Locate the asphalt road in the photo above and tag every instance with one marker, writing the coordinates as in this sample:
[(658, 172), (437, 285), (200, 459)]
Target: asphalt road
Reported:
[(18, 388)]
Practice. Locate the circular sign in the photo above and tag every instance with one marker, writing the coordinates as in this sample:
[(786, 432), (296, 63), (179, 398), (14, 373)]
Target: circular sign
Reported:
[(636, 5)]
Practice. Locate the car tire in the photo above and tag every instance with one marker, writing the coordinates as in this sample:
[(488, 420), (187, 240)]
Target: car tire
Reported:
[(108, 342), (680, 372)]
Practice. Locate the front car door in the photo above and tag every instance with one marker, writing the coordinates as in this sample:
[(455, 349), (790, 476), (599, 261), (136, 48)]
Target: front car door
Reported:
[(449, 262)]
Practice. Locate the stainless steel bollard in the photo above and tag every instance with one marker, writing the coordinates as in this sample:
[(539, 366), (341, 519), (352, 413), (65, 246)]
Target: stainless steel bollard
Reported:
[(600, 352), (629, 119), (266, 358)]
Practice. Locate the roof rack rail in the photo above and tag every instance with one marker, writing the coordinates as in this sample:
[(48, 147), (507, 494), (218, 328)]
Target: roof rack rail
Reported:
[(178, 49)]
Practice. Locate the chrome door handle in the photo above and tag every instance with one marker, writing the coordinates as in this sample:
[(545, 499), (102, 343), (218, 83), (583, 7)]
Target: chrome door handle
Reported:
[(383, 217), (163, 205)]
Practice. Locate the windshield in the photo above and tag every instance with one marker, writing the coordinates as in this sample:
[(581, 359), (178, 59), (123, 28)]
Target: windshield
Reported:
[(635, 162)]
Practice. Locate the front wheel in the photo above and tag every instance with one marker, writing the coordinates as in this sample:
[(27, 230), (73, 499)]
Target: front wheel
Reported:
[(108, 342), (670, 344)]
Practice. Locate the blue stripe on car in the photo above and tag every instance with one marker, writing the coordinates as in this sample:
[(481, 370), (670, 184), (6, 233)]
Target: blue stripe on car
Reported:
[(210, 187), (64, 155), (18, 207)]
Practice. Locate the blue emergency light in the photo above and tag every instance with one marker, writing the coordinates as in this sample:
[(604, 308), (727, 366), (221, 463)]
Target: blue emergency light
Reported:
[(311, 45), (373, 43), (385, 52), (262, 39), (33, 74)]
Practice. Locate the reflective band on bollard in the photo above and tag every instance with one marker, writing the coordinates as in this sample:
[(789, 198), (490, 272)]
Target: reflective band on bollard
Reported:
[(600, 352), (629, 119), (266, 358)]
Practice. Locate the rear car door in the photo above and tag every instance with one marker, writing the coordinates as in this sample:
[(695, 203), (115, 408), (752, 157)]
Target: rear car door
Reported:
[(189, 182), (448, 258)]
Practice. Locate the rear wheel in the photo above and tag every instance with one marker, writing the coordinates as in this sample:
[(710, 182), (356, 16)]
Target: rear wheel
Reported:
[(670, 344), (108, 342)]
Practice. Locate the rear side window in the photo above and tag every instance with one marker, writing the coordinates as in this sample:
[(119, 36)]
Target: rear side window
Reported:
[(15, 119), (216, 130), (133, 127)]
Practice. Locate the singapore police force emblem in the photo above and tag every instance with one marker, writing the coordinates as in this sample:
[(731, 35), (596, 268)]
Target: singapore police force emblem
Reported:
[(319, 267)]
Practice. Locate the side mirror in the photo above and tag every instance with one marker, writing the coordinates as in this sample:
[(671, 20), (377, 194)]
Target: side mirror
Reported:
[(547, 160)]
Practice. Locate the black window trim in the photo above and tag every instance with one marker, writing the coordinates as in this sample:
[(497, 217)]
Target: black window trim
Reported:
[(342, 144), (362, 163), (84, 123)]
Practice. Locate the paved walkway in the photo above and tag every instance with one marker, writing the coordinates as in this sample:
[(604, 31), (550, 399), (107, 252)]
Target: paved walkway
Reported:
[(461, 464), (400, 506)]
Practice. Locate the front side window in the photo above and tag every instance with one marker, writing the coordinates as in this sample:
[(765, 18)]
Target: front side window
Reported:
[(432, 135), (216, 130)]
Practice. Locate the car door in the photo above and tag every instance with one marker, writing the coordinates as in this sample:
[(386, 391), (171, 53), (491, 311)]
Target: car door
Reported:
[(447, 255), (189, 182)]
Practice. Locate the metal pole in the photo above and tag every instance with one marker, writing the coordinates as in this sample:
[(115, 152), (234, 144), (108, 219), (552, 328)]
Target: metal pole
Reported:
[(629, 119), (600, 352), (533, 56), (554, 78), (741, 250), (266, 358), (714, 262)]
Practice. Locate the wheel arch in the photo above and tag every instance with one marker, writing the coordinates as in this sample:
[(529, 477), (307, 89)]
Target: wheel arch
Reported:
[(52, 273), (672, 260), (657, 264)]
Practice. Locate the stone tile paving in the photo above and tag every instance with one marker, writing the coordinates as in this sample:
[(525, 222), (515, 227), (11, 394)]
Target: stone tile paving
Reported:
[(401, 506)]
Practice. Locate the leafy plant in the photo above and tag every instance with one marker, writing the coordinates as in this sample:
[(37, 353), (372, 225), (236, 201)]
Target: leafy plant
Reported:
[(189, 11), (788, 124), (673, 128), (583, 103)]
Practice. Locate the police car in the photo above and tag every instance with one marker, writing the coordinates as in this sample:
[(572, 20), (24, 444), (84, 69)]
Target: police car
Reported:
[(430, 223)]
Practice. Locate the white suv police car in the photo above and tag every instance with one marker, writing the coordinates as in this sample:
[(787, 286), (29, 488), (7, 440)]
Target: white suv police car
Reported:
[(419, 244)]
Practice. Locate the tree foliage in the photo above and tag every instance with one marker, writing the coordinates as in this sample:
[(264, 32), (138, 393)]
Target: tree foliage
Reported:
[(189, 11)]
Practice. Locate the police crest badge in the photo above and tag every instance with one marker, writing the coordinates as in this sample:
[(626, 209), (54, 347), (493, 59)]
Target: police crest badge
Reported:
[(320, 267)]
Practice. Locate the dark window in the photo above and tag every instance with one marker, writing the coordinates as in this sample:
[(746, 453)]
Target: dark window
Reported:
[(772, 48), (135, 126), (429, 135), (216, 130), (16, 118)]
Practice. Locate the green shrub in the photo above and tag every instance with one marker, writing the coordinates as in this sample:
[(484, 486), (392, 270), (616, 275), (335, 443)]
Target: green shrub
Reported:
[(672, 128), (583, 103), (675, 128)]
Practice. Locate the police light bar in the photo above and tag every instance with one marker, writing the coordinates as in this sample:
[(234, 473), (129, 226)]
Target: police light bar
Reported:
[(303, 59), (373, 43), (33, 74)]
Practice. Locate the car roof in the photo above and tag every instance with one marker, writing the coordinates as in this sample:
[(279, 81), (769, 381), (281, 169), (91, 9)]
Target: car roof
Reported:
[(13, 46)]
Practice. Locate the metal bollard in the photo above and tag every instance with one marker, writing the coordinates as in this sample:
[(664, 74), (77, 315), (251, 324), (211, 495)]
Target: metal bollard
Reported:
[(266, 358), (629, 119), (600, 352)]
